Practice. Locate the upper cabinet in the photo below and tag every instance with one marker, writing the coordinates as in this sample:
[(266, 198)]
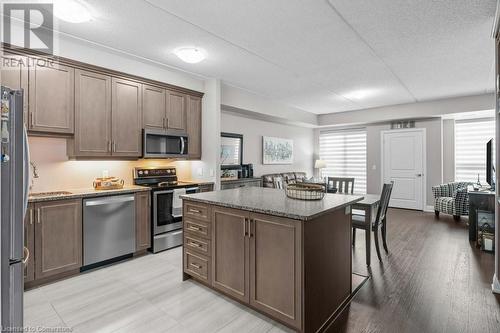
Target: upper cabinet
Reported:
[(51, 97), (194, 127), (176, 111), (92, 115), (154, 107), (126, 123)]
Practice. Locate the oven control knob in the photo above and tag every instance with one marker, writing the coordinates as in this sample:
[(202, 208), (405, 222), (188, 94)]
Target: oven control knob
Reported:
[(146, 172), (140, 172)]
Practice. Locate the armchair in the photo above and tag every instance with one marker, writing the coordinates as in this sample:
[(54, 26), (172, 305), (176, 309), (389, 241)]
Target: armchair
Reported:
[(451, 198)]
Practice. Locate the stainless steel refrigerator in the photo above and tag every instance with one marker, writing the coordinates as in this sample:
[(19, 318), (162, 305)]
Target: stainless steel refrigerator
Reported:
[(14, 166)]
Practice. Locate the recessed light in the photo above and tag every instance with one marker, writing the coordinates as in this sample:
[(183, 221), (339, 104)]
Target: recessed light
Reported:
[(191, 55), (360, 94), (72, 11)]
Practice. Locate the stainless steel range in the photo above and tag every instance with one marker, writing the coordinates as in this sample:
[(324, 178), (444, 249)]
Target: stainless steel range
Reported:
[(166, 208)]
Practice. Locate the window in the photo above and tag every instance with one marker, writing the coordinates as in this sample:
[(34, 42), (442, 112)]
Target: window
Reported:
[(344, 152), (471, 136)]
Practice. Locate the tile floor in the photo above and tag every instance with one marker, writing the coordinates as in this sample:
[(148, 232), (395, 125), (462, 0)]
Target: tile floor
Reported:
[(141, 295)]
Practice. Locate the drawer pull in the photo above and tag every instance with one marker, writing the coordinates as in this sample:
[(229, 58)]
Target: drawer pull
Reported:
[(195, 266), (195, 228), (194, 244), (197, 211)]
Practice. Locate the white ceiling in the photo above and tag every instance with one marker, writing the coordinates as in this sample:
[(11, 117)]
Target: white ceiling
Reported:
[(311, 53)]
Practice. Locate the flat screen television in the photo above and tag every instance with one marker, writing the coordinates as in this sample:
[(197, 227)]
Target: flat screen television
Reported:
[(490, 164)]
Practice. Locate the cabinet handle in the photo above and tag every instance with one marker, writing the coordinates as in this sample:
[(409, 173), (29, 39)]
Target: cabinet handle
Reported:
[(32, 120), (38, 219), (245, 233), (164, 123), (109, 146), (194, 228), (31, 216), (251, 223), (197, 211), (194, 244), (196, 266), (26, 255), (167, 123), (114, 146)]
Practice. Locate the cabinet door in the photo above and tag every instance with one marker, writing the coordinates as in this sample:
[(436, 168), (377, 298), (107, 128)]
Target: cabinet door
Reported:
[(194, 127), (230, 252), (92, 114), (51, 94), (126, 121), (58, 237), (154, 106), (275, 267), (14, 75), (29, 243), (176, 111), (142, 220)]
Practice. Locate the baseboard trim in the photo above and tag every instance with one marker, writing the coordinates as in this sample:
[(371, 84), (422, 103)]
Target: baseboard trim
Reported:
[(429, 209), (495, 286)]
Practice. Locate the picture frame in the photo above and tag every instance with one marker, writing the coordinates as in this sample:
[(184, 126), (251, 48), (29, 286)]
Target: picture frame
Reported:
[(277, 150)]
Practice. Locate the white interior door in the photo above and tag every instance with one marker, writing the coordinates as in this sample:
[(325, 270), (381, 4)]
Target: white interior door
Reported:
[(403, 157)]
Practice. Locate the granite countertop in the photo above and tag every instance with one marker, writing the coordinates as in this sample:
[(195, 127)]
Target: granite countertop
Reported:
[(85, 193), (274, 202)]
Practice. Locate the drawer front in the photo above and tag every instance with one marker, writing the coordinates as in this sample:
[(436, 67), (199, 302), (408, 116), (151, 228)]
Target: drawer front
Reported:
[(197, 211), (197, 266), (197, 228), (197, 244)]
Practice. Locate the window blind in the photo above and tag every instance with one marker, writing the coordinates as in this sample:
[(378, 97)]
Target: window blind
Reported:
[(344, 152), (471, 136)]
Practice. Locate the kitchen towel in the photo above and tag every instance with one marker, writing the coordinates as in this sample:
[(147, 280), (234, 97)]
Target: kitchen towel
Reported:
[(177, 202)]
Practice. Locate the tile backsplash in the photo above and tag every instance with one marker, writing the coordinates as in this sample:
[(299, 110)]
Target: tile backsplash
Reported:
[(57, 172)]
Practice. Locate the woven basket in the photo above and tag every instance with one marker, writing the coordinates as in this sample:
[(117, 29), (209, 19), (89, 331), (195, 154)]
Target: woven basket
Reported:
[(304, 191)]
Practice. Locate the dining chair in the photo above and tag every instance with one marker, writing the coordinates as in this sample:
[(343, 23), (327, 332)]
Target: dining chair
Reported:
[(278, 183), (341, 184), (359, 222)]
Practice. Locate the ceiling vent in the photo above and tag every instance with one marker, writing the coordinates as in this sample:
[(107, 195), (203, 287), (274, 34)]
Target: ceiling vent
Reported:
[(403, 124)]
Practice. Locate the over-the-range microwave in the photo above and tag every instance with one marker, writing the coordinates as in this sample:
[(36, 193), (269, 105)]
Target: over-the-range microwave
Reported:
[(164, 144)]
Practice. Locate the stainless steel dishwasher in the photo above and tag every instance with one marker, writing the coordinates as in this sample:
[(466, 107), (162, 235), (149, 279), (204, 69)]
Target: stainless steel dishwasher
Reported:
[(108, 228)]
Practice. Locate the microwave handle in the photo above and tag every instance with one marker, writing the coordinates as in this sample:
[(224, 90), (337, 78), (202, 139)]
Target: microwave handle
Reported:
[(182, 145)]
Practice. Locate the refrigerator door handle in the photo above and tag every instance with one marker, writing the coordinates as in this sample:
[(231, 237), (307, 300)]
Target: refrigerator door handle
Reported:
[(26, 171)]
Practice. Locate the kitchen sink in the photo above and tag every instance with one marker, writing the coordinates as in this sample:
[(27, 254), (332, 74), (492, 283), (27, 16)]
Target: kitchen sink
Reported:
[(49, 194)]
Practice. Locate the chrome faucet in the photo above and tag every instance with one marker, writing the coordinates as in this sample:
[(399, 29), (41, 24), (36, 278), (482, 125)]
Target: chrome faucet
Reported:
[(35, 174)]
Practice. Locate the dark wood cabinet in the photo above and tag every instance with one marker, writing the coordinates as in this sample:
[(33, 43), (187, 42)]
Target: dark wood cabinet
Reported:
[(275, 277), (142, 220), (51, 96), (92, 115), (126, 118), (208, 187), (154, 107), (58, 237), (29, 243), (176, 111), (194, 127), (230, 262)]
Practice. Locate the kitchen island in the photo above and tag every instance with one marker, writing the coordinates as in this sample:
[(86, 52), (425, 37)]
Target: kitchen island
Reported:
[(288, 259)]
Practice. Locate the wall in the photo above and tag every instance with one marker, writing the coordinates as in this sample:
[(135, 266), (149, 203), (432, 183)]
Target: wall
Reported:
[(56, 172), (253, 130), (434, 155)]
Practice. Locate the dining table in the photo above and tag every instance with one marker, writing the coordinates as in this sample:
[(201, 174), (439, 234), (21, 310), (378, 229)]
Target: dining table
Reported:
[(368, 208)]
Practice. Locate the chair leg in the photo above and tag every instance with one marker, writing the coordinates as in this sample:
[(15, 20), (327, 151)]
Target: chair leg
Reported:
[(353, 236), (375, 234), (368, 245), (436, 212), (384, 236)]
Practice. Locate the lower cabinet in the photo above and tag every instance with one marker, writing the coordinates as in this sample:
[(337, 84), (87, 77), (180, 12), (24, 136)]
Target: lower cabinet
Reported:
[(58, 237), (142, 221), (257, 260)]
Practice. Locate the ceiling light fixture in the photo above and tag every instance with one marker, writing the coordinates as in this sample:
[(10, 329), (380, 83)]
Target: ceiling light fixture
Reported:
[(72, 11), (191, 55), (360, 94)]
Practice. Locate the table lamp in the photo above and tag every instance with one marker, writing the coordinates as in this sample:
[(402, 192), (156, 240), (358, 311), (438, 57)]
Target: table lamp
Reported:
[(320, 164)]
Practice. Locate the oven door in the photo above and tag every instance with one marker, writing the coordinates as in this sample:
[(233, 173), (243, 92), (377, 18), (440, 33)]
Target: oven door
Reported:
[(163, 219), (160, 144)]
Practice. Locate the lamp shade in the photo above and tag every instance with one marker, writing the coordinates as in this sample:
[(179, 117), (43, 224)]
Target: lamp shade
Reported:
[(319, 164)]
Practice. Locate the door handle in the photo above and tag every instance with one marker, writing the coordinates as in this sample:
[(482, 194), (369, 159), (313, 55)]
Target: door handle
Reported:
[(419, 175)]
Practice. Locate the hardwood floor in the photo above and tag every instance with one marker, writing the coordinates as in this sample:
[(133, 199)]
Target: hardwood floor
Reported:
[(433, 280)]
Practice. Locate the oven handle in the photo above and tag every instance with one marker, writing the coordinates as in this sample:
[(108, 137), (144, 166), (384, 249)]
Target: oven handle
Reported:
[(182, 146), (193, 189)]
